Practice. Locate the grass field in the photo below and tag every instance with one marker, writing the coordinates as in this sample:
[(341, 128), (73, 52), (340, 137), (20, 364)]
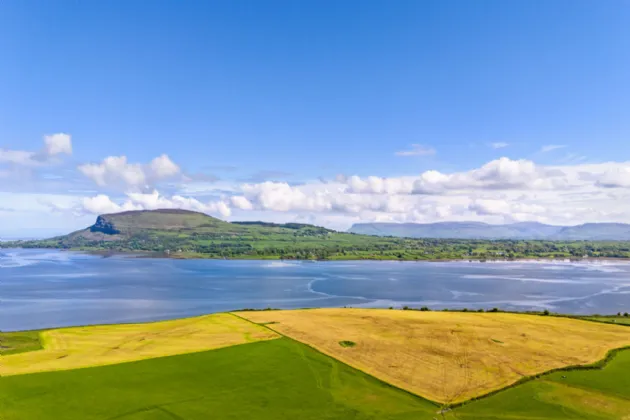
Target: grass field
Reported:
[(578, 394), (274, 379), (612, 319), (71, 348), (447, 357), (19, 342)]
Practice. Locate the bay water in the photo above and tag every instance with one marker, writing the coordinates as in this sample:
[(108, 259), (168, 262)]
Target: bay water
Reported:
[(50, 288)]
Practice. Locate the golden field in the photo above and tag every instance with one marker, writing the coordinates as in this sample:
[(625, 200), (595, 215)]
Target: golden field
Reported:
[(78, 347), (447, 357)]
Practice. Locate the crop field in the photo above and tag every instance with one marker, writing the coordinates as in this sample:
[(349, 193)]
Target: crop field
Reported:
[(19, 342), (623, 320), (78, 347), (274, 379), (447, 357), (601, 394)]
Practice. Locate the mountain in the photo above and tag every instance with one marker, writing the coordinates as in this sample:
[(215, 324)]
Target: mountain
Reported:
[(479, 230), (594, 232), (176, 226), (188, 234)]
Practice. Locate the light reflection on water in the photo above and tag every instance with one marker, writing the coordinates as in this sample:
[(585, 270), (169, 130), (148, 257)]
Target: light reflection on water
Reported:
[(43, 288)]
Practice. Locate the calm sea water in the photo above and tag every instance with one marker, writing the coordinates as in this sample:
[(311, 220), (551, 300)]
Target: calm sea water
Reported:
[(41, 288)]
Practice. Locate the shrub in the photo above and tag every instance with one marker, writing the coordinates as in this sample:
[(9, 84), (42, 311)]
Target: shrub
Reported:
[(625, 314), (405, 308), (346, 343), (546, 312)]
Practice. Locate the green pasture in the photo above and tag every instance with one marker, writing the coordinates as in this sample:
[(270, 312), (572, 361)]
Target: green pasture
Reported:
[(277, 379)]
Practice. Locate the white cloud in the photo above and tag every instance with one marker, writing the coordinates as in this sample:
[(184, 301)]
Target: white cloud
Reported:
[(502, 190), (614, 177), (59, 143), (163, 167), (241, 203), (102, 203), (499, 145), (39, 215), (551, 147), (509, 210), (116, 171), (498, 174), (417, 150), (54, 145), (18, 157)]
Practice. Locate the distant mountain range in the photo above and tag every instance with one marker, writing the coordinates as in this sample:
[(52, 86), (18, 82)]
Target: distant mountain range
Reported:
[(479, 230)]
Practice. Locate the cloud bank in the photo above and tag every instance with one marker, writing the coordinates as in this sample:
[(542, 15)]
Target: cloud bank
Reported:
[(498, 191), (502, 190)]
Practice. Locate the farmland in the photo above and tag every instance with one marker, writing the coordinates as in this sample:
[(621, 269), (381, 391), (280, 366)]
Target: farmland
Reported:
[(596, 394), (274, 379), (447, 357), (227, 365), (612, 319), (71, 348), (19, 342)]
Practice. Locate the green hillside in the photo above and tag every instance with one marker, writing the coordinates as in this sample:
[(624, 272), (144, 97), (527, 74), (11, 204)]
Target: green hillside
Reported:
[(187, 234)]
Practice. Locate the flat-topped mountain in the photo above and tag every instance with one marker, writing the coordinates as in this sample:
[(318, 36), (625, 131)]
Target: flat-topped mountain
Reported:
[(189, 234), (166, 219), (165, 224), (479, 230)]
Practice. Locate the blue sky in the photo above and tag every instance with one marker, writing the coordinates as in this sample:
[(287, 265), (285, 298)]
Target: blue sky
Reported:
[(306, 95)]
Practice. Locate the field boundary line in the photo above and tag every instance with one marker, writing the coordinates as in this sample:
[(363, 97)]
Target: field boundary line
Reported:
[(597, 365), (420, 397)]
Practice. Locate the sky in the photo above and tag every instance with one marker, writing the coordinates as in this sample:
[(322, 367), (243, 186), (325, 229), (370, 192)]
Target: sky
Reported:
[(321, 112)]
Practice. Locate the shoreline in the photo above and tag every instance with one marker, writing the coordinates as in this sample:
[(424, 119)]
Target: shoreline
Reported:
[(175, 256), (586, 317)]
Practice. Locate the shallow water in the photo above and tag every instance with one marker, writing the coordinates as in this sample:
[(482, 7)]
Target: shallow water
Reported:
[(47, 288)]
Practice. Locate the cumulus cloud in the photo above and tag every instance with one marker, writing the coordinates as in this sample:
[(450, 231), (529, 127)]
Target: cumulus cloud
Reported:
[(513, 211), (54, 144), (241, 202), (117, 171), (501, 173), (417, 150), (102, 203), (616, 176), (163, 167), (502, 190), (59, 143)]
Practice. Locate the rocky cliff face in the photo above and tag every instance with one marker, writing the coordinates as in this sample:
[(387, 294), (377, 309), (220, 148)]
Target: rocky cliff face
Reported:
[(105, 226)]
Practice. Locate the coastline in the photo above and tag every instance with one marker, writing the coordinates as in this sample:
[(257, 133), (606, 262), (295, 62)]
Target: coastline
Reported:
[(199, 256)]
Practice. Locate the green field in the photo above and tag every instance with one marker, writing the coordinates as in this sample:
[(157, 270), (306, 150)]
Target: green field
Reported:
[(19, 342), (277, 379), (623, 320), (579, 394), (285, 379)]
